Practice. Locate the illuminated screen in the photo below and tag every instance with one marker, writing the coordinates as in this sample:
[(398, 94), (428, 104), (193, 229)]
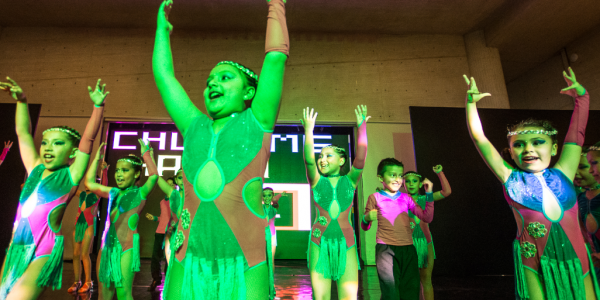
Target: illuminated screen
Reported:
[(285, 170)]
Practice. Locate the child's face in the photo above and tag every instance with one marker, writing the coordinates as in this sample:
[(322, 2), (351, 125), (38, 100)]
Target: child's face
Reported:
[(171, 183), (392, 178), (593, 158), (179, 179), (225, 91), (55, 149), (125, 174), (329, 162), (532, 152), (583, 177), (413, 184), (267, 196)]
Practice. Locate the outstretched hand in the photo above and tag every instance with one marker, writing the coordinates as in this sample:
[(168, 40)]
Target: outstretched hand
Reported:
[(98, 95), (163, 16), (284, 1), (149, 217), (473, 94), (105, 165), (361, 114), (100, 152), (144, 146), (309, 117), (14, 89), (574, 89), (428, 185), (437, 169), (8, 144)]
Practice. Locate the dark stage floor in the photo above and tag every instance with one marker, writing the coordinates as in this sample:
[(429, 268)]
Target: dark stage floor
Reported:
[(292, 281)]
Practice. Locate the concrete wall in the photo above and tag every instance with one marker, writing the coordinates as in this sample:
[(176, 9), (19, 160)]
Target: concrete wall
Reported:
[(332, 73), (539, 88)]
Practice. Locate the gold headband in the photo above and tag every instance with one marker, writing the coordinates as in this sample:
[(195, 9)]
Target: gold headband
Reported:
[(539, 131), (131, 161), (241, 68), (72, 133)]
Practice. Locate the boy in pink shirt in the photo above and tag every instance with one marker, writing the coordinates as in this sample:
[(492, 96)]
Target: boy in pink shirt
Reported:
[(396, 257)]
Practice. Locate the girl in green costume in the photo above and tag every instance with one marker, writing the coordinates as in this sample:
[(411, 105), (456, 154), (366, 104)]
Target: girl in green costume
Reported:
[(119, 256), (34, 258), (176, 197), (332, 251), (221, 240)]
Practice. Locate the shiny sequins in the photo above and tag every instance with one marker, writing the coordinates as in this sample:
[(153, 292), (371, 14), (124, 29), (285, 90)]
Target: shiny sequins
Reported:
[(537, 230), (322, 220), (528, 250), (317, 233), (179, 238), (412, 225), (185, 219)]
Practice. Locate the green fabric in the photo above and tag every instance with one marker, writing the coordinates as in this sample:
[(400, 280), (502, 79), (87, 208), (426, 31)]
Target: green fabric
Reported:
[(51, 274), (594, 277), (133, 221), (521, 289), (560, 268), (332, 258), (420, 243), (135, 261), (110, 261), (200, 284), (270, 263), (16, 262), (80, 229)]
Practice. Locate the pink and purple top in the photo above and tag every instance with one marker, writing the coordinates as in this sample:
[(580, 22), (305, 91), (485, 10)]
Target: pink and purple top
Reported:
[(392, 216)]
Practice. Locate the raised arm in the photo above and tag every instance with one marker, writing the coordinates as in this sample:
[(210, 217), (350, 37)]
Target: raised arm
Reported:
[(570, 155), (178, 104), (90, 177), (164, 186), (490, 155), (148, 156), (426, 215), (29, 154), (7, 146), (446, 191), (361, 146), (82, 157), (265, 104), (308, 121)]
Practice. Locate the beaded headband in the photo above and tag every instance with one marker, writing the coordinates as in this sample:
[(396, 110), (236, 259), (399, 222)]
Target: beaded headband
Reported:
[(413, 173), (336, 148), (594, 148), (131, 161), (539, 131), (241, 68), (70, 132)]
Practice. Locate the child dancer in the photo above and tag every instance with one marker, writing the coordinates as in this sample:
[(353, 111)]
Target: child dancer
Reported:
[(421, 234), (551, 260), (396, 257), (119, 255), (270, 207), (34, 258), (222, 229), (158, 254), (85, 230), (588, 178), (332, 251), (7, 146)]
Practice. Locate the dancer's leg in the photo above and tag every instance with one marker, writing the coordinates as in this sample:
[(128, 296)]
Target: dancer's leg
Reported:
[(406, 269), (76, 259), (348, 284), (104, 293), (427, 286), (384, 260), (157, 254), (86, 248), (257, 282), (321, 286), (26, 287), (590, 294), (124, 292), (534, 285)]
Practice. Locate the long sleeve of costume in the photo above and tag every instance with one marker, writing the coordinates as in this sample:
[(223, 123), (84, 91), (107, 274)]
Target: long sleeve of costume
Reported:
[(152, 170), (445, 184), (3, 155), (361, 149), (276, 201), (371, 205), (277, 33), (104, 178), (91, 130), (425, 215), (576, 133)]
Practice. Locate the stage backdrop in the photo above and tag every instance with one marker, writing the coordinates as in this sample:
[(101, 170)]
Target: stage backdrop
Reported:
[(12, 171), (473, 229), (285, 172)]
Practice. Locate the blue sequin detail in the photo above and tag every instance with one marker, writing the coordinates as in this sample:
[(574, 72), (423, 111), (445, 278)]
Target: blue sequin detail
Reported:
[(525, 189)]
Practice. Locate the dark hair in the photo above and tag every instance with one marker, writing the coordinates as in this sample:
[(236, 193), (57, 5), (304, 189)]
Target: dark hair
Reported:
[(545, 124), (268, 188), (413, 173), (75, 138), (384, 163), (340, 151), (171, 178), (594, 145), (136, 166)]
